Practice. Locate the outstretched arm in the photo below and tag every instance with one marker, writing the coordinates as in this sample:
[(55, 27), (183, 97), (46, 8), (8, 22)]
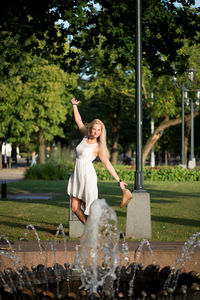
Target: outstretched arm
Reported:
[(77, 117), (112, 171)]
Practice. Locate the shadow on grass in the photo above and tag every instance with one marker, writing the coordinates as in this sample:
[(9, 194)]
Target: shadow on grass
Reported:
[(111, 188), (38, 228), (54, 202), (176, 221), (172, 194)]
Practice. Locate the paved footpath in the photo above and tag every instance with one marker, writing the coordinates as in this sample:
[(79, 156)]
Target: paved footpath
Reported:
[(16, 174), (12, 174)]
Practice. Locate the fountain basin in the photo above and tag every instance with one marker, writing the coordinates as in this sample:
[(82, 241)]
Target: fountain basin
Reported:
[(164, 253), (58, 282)]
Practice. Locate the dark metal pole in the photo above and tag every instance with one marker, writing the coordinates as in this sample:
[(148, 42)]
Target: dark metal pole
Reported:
[(192, 131), (4, 190), (183, 124), (139, 175)]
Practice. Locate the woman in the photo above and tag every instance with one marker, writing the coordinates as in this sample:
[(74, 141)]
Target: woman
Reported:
[(82, 185)]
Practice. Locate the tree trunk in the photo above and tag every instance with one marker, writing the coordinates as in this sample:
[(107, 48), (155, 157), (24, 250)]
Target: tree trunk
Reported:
[(129, 152), (115, 139), (115, 118), (1, 143), (41, 146), (166, 157), (114, 153), (166, 123)]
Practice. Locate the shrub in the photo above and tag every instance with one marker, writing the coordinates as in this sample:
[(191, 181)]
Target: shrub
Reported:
[(50, 171), (58, 171), (171, 174), (127, 173)]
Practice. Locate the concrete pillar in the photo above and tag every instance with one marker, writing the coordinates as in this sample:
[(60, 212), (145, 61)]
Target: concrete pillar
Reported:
[(138, 220), (75, 226)]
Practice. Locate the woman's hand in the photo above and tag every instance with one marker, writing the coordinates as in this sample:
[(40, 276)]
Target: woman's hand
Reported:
[(74, 101), (78, 118), (123, 185)]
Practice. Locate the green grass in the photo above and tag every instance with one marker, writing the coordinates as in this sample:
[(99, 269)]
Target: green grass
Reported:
[(175, 209)]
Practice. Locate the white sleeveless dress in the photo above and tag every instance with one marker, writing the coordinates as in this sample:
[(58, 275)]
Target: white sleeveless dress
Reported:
[(83, 181)]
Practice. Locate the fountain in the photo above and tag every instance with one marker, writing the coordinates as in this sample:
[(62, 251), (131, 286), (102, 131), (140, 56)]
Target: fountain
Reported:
[(100, 270)]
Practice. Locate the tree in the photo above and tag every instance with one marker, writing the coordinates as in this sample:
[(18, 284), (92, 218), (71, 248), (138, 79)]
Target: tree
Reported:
[(33, 22), (46, 99), (163, 24), (107, 93), (164, 28), (165, 109), (18, 69), (35, 98), (11, 87)]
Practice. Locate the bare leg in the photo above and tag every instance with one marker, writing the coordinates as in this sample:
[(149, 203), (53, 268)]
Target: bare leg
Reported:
[(76, 208)]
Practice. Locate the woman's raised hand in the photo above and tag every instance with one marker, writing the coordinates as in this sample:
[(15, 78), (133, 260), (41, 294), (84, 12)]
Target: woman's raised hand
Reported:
[(74, 101)]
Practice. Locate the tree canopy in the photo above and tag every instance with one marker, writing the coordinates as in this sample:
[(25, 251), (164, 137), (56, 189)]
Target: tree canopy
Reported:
[(164, 26), (39, 54)]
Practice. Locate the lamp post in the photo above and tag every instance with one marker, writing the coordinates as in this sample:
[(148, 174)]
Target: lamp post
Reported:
[(138, 221), (183, 126), (139, 175), (152, 160), (192, 161), (183, 97)]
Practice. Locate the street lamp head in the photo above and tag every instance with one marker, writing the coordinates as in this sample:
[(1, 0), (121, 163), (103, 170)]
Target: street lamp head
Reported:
[(186, 94), (191, 74), (174, 78), (187, 102), (198, 94)]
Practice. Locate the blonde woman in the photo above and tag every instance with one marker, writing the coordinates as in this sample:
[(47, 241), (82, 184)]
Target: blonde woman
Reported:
[(82, 185)]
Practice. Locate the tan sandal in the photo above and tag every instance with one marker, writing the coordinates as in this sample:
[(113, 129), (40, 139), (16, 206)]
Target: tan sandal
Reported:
[(126, 198)]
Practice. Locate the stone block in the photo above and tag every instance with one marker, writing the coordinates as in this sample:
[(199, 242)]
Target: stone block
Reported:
[(75, 226), (138, 221)]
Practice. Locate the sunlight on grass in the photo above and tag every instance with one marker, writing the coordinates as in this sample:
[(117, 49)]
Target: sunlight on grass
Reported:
[(175, 209)]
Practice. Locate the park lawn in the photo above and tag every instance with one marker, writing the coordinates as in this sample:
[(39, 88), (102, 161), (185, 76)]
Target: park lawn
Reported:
[(175, 209)]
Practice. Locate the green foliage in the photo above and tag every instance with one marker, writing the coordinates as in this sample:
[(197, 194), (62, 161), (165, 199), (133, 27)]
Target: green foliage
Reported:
[(34, 23), (35, 94), (171, 174), (46, 95), (59, 170), (49, 171), (164, 27), (127, 173)]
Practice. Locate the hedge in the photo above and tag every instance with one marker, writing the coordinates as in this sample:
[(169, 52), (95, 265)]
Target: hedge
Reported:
[(58, 171)]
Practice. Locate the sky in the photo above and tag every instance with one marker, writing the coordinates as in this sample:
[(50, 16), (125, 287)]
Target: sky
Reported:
[(66, 24), (197, 3)]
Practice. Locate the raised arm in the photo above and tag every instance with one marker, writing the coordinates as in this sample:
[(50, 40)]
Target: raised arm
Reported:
[(77, 117), (112, 171)]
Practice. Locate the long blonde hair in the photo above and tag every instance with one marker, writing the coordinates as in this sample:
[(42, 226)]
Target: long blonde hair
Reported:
[(103, 150)]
